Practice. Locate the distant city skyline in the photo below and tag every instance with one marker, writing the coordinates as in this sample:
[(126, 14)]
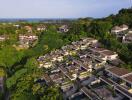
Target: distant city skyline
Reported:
[(60, 8)]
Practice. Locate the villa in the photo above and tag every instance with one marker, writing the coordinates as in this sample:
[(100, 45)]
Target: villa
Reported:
[(124, 27), (63, 28), (45, 64), (89, 93), (58, 55), (109, 55), (120, 79), (3, 38), (41, 28), (57, 78), (119, 30), (27, 39), (127, 38), (66, 68), (65, 86), (105, 54), (28, 28)]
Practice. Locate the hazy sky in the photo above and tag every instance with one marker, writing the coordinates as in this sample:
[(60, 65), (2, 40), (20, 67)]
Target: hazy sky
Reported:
[(60, 8)]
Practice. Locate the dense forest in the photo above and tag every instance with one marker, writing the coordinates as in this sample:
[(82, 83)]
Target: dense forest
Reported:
[(102, 27), (21, 68)]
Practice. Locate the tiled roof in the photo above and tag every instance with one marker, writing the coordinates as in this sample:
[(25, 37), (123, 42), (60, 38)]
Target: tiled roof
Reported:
[(116, 28), (98, 49), (47, 78), (123, 26), (118, 71), (108, 52), (128, 78)]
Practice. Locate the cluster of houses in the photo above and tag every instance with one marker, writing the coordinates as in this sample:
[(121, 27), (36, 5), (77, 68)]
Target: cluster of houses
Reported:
[(118, 30), (128, 37), (74, 73), (27, 40), (123, 33), (76, 68), (48, 60), (3, 38), (28, 28), (41, 28), (63, 29), (113, 83), (120, 79)]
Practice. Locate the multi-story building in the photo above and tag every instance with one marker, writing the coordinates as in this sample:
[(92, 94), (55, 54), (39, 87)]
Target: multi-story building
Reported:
[(119, 79), (127, 38)]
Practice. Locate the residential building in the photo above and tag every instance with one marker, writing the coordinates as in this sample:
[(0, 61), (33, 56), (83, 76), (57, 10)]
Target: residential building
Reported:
[(119, 31), (127, 38), (3, 38), (68, 50), (63, 28), (119, 79), (71, 75), (28, 28), (103, 53), (128, 80), (97, 50), (65, 86), (109, 55), (57, 77), (117, 73), (82, 74), (124, 27), (98, 63), (116, 30), (87, 65), (91, 95), (27, 39), (17, 26), (41, 28), (45, 64)]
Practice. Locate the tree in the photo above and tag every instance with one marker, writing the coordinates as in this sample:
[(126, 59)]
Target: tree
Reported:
[(100, 28), (9, 56), (10, 82), (31, 64), (52, 93)]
